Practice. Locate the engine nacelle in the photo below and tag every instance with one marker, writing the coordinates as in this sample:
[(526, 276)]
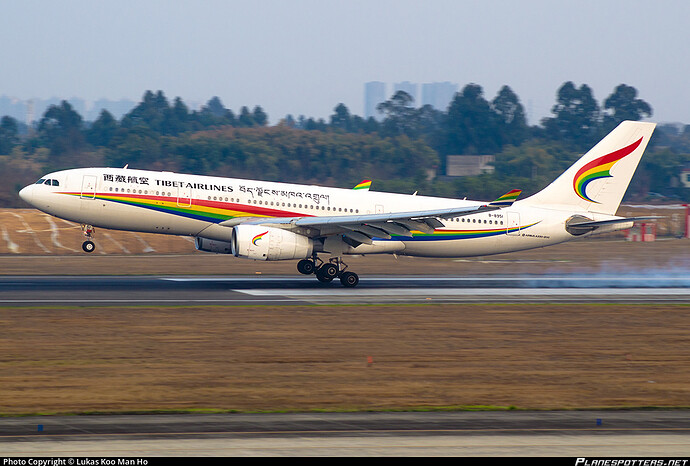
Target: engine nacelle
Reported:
[(212, 245), (269, 244)]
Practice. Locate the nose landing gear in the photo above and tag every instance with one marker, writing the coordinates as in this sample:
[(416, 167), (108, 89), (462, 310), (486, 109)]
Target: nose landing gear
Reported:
[(328, 271), (89, 232)]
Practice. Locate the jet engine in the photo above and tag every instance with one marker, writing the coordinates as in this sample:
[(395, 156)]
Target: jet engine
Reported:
[(269, 244), (212, 245)]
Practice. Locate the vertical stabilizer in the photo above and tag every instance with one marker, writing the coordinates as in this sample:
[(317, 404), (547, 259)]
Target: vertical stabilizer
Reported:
[(598, 181)]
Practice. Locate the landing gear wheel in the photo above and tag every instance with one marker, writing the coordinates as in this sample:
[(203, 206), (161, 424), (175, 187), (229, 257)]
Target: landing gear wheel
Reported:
[(89, 231), (349, 279), (327, 272), (306, 267)]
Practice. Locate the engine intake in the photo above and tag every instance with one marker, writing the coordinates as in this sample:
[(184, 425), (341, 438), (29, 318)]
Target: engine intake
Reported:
[(269, 244)]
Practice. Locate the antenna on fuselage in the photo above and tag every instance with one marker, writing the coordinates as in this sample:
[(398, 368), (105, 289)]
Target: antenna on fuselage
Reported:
[(125, 167)]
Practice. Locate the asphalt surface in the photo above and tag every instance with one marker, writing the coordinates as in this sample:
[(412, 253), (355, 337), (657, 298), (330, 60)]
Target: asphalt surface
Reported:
[(260, 289), (647, 432)]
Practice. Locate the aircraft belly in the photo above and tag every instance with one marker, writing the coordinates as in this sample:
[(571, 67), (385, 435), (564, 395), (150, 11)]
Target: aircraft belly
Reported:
[(467, 247), (116, 216), (452, 247), (125, 217)]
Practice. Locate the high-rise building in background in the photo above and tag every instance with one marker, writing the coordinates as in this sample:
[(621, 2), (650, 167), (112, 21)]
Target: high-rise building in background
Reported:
[(410, 88), (438, 95), (374, 94), (32, 110)]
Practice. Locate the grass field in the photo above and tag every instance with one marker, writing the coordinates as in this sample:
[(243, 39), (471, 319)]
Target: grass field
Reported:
[(263, 358), (273, 358)]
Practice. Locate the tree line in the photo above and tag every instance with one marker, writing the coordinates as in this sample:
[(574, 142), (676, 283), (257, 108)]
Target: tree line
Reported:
[(402, 151)]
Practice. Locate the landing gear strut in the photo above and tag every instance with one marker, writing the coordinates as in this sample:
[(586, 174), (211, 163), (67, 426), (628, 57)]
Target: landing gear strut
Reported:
[(88, 245), (326, 272)]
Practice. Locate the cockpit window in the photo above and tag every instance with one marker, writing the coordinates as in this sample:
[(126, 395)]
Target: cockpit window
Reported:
[(48, 182)]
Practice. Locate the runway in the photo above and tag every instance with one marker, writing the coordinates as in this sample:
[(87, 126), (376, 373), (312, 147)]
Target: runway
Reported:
[(260, 289), (629, 433), (663, 433)]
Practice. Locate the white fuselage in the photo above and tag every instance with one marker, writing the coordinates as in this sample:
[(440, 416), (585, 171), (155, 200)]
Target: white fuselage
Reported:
[(192, 205)]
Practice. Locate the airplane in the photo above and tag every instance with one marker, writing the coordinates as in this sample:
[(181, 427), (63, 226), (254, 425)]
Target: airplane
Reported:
[(272, 221)]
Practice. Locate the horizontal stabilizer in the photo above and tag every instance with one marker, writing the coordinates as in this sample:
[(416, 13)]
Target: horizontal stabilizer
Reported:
[(577, 227), (507, 199)]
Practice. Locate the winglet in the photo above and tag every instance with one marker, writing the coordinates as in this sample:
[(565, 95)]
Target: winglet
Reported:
[(507, 199), (363, 186)]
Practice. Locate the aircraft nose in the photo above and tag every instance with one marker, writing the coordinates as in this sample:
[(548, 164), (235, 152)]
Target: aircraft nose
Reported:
[(27, 193)]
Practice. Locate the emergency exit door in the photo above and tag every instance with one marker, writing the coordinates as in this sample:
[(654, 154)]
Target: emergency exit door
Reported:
[(513, 228)]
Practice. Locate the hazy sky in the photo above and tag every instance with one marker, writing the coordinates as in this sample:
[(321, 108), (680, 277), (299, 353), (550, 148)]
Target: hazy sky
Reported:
[(306, 56)]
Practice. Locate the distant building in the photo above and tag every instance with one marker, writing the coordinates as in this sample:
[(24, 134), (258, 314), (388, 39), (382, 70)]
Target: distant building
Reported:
[(438, 95), (469, 165), (410, 88), (374, 94), (32, 110), (685, 176)]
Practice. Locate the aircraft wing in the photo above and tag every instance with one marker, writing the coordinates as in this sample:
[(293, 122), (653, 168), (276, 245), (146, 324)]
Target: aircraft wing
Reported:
[(363, 228)]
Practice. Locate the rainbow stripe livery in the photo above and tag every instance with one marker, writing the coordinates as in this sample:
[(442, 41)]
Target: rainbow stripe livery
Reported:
[(268, 221), (507, 199), (363, 186), (599, 168)]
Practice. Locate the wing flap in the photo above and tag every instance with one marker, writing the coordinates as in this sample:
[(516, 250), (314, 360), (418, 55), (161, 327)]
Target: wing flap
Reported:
[(382, 225)]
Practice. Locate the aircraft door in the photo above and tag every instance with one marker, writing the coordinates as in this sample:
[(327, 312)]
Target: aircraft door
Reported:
[(513, 228), (184, 197), (88, 187)]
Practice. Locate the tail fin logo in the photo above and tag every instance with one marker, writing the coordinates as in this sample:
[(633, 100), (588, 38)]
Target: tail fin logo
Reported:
[(600, 168), (258, 237)]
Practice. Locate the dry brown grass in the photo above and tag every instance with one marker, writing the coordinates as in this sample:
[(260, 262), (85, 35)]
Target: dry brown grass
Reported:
[(317, 357), (79, 359)]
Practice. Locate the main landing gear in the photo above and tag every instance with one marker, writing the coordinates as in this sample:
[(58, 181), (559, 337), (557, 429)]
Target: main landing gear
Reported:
[(327, 271), (89, 232)]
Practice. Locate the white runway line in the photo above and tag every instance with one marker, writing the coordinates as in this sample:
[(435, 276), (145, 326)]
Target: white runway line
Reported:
[(29, 230), (11, 246), (147, 246), (442, 279), (55, 234), (116, 243), (480, 292)]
